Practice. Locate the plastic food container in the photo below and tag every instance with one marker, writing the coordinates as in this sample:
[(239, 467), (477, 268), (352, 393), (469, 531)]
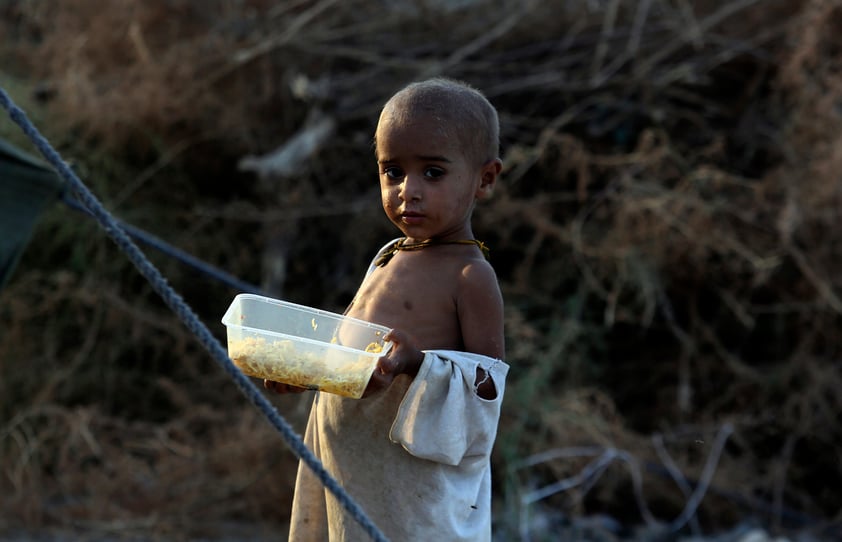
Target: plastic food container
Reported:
[(298, 345)]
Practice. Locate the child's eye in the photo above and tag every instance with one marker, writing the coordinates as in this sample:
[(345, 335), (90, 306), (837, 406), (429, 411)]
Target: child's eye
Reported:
[(433, 172), (393, 172)]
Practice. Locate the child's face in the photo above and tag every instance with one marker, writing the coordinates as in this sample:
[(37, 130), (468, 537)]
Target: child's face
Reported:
[(427, 182)]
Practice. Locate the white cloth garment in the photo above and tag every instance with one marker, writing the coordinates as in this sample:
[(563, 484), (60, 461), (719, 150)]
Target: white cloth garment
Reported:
[(415, 457)]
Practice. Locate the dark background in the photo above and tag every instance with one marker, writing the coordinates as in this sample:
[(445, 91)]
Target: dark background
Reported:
[(664, 234)]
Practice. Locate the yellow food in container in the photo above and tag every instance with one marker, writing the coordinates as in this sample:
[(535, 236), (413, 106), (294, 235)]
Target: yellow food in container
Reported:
[(302, 346)]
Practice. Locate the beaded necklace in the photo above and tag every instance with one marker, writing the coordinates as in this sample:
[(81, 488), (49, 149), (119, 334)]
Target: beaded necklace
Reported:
[(401, 244)]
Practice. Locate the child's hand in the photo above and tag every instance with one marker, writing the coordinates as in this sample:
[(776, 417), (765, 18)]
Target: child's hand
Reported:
[(404, 358), (280, 387)]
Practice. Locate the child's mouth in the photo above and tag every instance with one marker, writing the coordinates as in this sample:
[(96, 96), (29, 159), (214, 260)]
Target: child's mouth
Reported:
[(412, 218)]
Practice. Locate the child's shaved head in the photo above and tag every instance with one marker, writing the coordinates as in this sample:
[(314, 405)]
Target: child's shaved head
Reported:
[(466, 111)]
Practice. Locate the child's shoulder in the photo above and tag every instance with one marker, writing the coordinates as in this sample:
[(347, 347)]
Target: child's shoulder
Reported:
[(477, 270), (466, 260)]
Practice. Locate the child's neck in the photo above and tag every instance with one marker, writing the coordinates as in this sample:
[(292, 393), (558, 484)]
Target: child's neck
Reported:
[(403, 245)]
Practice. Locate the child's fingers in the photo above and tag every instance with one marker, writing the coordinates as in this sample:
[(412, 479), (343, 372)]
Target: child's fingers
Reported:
[(396, 336), (385, 366)]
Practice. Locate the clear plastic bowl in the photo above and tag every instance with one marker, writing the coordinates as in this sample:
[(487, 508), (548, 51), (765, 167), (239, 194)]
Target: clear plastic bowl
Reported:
[(311, 348)]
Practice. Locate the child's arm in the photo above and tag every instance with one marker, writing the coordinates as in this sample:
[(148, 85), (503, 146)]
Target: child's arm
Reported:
[(404, 358), (480, 308)]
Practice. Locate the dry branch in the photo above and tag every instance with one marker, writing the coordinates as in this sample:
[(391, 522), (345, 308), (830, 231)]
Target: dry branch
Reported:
[(663, 233)]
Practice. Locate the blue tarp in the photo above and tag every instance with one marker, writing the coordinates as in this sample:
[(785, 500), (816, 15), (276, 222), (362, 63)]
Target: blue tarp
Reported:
[(27, 187)]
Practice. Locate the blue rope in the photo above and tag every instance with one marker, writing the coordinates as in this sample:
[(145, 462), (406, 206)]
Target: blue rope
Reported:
[(150, 240), (186, 315)]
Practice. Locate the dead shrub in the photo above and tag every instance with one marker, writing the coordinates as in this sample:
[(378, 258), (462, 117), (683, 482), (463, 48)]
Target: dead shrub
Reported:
[(663, 234)]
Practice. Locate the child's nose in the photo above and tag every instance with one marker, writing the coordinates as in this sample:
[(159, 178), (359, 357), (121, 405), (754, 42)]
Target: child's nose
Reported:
[(411, 188)]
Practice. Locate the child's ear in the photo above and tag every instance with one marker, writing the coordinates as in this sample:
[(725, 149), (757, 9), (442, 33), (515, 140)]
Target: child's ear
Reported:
[(488, 178)]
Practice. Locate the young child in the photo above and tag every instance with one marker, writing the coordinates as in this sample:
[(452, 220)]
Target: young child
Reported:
[(414, 451)]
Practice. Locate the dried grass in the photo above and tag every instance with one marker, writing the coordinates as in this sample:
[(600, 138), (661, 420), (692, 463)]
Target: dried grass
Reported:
[(663, 234)]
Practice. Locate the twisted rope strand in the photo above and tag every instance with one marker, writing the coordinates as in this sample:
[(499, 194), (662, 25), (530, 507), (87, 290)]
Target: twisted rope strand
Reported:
[(175, 302)]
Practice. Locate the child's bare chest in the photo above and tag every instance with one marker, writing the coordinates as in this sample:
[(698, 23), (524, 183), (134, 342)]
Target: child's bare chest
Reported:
[(418, 298)]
